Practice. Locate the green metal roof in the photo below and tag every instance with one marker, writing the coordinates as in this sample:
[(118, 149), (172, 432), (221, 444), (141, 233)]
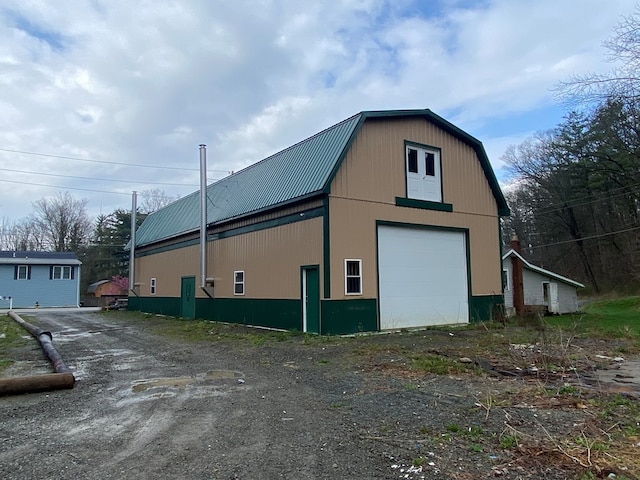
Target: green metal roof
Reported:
[(300, 171)]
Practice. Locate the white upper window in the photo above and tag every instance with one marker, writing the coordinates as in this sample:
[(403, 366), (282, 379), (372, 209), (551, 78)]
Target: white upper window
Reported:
[(152, 286), (423, 173)]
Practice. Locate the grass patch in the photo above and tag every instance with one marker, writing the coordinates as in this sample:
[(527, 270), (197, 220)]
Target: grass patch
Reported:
[(12, 335), (616, 318), (437, 365)]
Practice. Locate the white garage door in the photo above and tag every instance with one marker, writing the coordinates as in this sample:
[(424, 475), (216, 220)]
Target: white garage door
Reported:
[(422, 277)]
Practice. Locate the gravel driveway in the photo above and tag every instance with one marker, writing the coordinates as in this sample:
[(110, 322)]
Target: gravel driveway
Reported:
[(149, 406)]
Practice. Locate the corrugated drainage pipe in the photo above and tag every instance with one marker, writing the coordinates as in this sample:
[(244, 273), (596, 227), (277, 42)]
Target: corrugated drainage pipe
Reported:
[(63, 378)]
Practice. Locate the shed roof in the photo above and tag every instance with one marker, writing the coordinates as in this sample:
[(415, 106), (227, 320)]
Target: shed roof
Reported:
[(94, 286), (535, 268), (38, 258), (301, 171)]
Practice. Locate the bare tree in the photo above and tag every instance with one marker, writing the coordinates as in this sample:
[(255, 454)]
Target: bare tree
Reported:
[(63, 221), (22, 235), (155, 199), (623, 81)]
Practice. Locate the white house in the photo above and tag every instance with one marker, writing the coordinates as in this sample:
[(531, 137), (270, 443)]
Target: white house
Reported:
[(528, 287)]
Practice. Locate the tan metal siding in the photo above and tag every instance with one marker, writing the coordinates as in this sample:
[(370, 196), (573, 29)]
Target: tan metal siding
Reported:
[(271, 260), (168, 268), (374, 168), (353, 235)]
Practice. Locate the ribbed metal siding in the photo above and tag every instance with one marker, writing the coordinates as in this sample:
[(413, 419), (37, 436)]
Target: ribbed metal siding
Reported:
[(300, 170)]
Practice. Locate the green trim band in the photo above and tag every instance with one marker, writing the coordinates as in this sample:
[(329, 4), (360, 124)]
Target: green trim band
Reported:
[(486, 307), (326, 250), (264, 225), (424, 204)]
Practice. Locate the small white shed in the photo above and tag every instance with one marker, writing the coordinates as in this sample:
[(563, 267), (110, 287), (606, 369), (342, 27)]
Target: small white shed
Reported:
[(538, 287)]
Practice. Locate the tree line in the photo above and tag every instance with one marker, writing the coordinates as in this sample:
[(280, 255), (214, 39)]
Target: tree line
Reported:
[(575, 195)]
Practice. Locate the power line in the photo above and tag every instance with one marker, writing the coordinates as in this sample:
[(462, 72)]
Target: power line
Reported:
[(585, 238), (593, 199), (106, 161), (97, 179), (66, 188), (82, 189)]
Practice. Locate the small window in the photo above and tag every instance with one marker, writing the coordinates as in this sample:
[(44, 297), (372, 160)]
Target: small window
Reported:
[(430, 164), (61, 273), (152, 286), (505, 280), (22, 272), (353, 277), (238, 282), (412, 161)]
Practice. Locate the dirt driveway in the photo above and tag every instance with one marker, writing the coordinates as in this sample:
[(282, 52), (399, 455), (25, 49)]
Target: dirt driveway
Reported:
[(147, 405)]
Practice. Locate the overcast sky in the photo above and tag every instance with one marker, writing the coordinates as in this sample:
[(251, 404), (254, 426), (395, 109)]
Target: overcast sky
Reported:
[(134, 87)]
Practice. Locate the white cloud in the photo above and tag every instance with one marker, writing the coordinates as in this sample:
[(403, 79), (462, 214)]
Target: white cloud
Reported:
[(147, 82)]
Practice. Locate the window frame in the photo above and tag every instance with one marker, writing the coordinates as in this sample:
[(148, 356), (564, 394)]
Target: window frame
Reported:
[(237, 283), (152, 286), (347, 276), (61, 269), (27, 272)]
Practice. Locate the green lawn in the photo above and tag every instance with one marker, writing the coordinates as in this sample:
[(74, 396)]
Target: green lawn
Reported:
[(619, 317), (11, 335)]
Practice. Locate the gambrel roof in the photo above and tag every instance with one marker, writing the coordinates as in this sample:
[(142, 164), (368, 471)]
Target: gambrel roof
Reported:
[(301, 171), (540, 270)]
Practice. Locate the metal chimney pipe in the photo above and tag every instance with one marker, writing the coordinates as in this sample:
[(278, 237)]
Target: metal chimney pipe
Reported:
[(132, 250), (203, 217)]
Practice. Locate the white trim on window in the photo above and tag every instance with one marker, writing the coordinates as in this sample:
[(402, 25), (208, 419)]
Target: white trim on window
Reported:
[(23, 272), (352, 276), (152, 286), (61, 272), (238, 282), (423, 171)]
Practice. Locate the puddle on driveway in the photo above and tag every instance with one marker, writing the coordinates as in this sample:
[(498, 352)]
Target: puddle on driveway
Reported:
[(161, 382), (201, 381), (220, 374)]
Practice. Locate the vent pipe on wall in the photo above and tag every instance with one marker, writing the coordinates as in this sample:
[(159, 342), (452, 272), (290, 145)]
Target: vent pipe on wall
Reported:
[(204, 281)]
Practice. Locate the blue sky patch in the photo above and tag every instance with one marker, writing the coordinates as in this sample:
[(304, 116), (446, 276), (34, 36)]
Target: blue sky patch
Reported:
[(53, 39)]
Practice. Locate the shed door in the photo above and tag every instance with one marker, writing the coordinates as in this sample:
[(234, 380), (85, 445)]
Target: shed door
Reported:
[(423, 277), (554, 303)]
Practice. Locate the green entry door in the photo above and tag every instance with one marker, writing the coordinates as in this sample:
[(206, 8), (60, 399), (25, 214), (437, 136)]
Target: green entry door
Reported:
[(188, 297), (310, 299)]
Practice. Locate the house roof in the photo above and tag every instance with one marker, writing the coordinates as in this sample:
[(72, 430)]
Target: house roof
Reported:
[(530, 266), (38, 258), (301, 171)]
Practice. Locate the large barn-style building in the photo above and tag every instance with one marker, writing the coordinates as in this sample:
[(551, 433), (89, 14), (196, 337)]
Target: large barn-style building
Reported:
[(387, 220)]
